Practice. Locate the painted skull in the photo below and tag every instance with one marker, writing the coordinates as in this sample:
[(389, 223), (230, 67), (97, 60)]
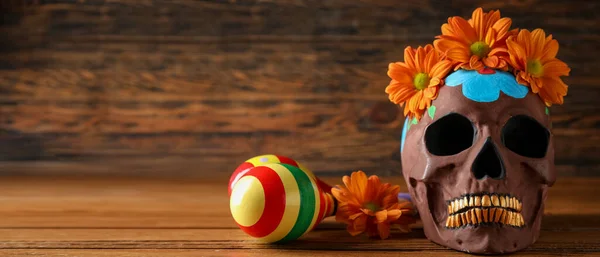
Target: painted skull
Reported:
[(479, 163)]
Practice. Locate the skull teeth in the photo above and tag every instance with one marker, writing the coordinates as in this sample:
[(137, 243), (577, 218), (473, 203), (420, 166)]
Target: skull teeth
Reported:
[(464, 203), (484, 208), (485, 200), (482, 216)]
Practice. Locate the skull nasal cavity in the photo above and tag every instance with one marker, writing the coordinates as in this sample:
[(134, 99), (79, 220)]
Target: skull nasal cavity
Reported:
[(488, 162)]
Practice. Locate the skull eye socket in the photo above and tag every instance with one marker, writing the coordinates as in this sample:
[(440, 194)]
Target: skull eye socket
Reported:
[(525, 136), (449, 135)]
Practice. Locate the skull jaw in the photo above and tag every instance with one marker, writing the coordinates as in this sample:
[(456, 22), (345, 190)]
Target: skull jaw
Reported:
[(483, 240), (487, 239)]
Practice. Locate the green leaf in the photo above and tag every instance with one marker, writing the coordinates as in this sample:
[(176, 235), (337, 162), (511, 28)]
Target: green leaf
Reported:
[(547, 111), (415, 121), (431, 111)]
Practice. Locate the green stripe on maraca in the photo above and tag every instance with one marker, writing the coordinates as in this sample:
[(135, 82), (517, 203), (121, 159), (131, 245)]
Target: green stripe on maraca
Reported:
[(307, 204)]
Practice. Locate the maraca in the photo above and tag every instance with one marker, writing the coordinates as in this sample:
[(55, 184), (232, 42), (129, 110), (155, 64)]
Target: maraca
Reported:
[(276, 199)]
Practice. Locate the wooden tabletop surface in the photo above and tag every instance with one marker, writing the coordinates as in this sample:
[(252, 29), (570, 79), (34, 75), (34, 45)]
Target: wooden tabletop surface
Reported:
[(166, 217)]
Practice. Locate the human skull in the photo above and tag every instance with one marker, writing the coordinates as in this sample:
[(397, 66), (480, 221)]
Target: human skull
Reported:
[(479, 163)]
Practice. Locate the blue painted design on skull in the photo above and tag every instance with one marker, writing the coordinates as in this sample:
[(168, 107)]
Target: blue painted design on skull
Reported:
[(486, 87), (404, 131)]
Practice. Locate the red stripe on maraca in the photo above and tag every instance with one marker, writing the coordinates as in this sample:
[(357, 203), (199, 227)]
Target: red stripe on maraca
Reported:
[(274, 202), (238, 173), (322, 206), (324, 186), (287, 160)]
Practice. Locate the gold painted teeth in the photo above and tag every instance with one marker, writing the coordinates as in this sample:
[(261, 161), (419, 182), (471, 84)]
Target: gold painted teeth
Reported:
[(478, 216), (485, 200)]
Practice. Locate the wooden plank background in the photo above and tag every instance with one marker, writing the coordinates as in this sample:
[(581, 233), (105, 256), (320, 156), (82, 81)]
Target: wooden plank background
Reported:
[(193, 88)]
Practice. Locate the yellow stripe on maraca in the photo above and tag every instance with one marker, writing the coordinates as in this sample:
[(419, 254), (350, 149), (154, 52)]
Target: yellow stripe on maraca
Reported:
[(330, 205), (292, 208), (263, 159), (317, 198), (247, 189)]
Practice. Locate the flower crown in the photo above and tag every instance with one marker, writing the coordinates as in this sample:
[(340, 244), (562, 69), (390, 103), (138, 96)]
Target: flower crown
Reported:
[(482, 43)]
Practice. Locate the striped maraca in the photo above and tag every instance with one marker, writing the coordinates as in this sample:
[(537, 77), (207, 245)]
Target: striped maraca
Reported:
[(276, 199)]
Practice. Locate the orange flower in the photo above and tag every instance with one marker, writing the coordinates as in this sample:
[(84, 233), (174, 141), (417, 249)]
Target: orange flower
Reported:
[(367, 205), (476, 43), (533, 56), (415, 82)]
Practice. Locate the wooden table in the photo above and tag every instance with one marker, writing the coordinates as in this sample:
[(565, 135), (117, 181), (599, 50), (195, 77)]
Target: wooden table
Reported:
[(165, 217)]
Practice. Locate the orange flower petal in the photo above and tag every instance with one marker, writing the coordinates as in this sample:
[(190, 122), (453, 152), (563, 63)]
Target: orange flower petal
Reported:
[(431, 58), (381, 216), (553, 90), (440, 69), (492, 61), (355, 216), (517, 54), (367, 212), (478, 24), (420, 59), (347, 181), (490, 38), (358, 184), (428, 48), (399, 93), (435, 82), (446, 42), (391, 197), (560, 87), (502, 26), (337, 193), (373, 184), (556, 68), (446, 29), (360, 223), (538, 39), (523, 39), (475, 63), (548, 95), (458, 54), (342, 213), (393, 215), (535, 84), (414, 102), (384, 230), (524, 79), (463, 29), (431, 92), (498, 51), (400, 72), (409, 57), (550, 50)]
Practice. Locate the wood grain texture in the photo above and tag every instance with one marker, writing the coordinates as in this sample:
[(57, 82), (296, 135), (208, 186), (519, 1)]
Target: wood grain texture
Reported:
[(134, 203), (216, 253), (65, 216), (136, 87)]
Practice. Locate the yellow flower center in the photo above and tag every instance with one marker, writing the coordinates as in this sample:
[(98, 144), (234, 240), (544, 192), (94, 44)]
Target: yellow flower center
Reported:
[(372, 207), (535, 68), (480, 49), (421, 81)]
